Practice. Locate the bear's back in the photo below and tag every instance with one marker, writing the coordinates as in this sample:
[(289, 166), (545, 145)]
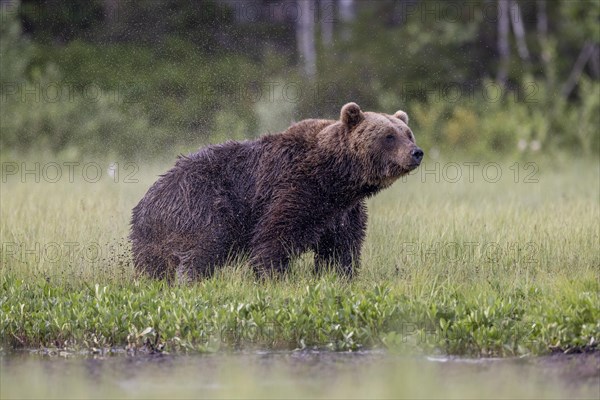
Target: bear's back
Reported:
[(195, 183)]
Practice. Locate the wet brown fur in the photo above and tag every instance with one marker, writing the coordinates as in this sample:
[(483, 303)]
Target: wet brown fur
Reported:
[(273, 198)]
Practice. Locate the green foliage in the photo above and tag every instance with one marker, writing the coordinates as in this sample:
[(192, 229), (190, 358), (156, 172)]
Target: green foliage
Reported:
[(192, 73), (42, 110), (512, 124), (71, 99), (324, 314)]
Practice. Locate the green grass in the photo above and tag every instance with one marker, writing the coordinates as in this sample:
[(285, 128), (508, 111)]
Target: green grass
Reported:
[(467, 268)]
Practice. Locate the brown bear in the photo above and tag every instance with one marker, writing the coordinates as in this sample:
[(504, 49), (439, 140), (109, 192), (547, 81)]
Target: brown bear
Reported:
[(274, 197)]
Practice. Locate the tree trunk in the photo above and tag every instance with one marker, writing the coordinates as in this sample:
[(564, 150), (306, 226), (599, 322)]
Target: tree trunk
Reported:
[(347, 15), (516, 20), (305, 37), (326, 17), (542, 19), (503, 46), (542, 31), (110, 8), (584, 56)]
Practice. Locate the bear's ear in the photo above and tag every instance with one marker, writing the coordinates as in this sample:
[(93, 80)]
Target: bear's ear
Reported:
[(351, 115), (401, 115)]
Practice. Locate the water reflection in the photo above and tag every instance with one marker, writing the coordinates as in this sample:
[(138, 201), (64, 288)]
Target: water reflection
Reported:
[(303, 374)]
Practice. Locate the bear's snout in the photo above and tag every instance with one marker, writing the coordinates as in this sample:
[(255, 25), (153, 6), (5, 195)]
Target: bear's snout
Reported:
[(417, 155)]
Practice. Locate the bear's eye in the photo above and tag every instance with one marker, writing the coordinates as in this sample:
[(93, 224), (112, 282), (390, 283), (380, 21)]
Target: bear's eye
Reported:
[(390, 137)]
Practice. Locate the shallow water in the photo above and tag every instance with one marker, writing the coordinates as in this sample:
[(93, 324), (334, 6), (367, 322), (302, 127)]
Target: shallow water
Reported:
[(300, 374)]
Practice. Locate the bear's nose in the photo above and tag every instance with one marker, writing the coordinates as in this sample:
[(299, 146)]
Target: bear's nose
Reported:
[(417, 155)]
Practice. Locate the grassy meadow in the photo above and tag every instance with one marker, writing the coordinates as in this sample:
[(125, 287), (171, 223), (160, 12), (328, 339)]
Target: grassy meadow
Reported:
[(458, 260)]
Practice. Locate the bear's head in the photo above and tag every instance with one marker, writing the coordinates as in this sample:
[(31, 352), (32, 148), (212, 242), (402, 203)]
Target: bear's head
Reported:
[(383, 144)]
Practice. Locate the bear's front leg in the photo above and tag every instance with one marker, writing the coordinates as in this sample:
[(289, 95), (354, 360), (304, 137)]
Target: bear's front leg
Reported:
[(288, 228), (340, 245), (269, 258)]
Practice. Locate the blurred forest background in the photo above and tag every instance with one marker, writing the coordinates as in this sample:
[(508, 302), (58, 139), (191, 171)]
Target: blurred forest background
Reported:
[(143, 78)]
